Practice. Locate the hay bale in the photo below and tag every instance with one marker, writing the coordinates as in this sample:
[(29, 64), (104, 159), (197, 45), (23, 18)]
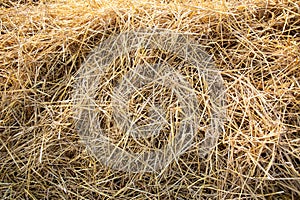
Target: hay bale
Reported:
[(255, 46)]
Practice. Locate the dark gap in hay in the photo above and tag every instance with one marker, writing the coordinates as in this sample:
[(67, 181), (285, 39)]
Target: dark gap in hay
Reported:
[(273, 16), (57, 81)]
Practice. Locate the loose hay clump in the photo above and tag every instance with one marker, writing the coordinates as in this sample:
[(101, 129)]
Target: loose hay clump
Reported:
[(255, 47), (134, 80)]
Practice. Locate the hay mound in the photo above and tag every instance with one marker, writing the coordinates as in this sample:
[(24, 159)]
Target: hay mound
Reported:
[(255, 47)]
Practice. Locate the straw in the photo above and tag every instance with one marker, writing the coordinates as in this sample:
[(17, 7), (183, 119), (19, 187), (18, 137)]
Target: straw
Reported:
[(254, 47)]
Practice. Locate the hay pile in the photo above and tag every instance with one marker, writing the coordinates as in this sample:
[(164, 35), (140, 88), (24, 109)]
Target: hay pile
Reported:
[(146, 89), (255, 46)]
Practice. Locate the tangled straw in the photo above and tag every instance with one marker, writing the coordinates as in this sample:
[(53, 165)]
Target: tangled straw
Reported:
[(137, 99)]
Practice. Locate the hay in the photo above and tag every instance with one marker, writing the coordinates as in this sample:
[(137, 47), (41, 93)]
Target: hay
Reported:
[(149, 83), (255, 47)]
